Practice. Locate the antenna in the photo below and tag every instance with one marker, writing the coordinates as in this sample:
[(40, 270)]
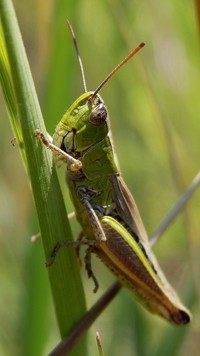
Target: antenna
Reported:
[(78, 55), (126, 59)]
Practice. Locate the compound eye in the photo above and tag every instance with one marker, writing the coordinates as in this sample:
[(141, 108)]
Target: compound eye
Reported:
[(98, 115)]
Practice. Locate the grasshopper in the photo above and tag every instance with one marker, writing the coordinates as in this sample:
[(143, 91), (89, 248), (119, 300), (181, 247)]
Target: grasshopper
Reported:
[(111, 224)]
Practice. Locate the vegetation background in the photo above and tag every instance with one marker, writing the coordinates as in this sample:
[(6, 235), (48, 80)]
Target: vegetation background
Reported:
[(154, 109)]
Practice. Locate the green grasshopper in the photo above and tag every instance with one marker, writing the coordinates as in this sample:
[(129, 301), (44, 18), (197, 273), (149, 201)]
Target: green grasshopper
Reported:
[(111, 224)]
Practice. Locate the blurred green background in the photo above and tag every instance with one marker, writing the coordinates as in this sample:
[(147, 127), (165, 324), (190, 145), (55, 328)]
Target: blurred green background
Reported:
[(154, 109)]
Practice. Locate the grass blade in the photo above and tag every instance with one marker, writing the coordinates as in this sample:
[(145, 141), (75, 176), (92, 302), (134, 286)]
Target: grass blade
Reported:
[(67, 293)]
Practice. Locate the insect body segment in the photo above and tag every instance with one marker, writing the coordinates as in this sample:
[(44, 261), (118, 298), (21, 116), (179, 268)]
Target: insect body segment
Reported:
[(138, 269), (86, 138), (82, 120)]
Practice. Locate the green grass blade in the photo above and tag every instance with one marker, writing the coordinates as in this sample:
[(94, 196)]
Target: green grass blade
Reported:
[(32, 339), (64, 275), (9, 95)]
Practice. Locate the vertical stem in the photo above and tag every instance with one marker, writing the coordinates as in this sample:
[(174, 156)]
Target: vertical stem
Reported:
[(64, 275)]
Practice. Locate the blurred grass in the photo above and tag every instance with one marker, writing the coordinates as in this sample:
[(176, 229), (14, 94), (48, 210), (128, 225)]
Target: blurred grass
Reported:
[(154, 104)]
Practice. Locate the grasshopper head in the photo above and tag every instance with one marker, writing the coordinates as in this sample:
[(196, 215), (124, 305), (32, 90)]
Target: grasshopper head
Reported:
[(84, 124)]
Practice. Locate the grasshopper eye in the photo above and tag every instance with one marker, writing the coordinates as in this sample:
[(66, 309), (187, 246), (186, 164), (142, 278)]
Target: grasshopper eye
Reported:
[(98, 115)]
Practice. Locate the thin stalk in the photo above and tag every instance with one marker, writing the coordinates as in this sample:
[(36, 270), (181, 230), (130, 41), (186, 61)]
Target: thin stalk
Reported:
[(175, 210), (64, 274)]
